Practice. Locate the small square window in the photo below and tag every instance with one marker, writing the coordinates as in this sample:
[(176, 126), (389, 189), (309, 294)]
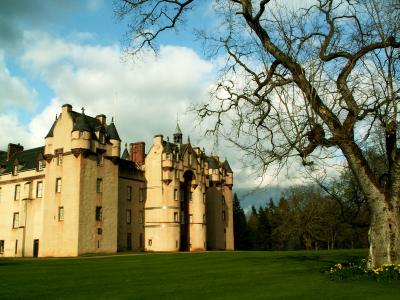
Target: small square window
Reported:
[(175, 194), (176, 217), (99, 213), (141, 217), (59, 159), (17, 193), (99, 231), (39, 189), (142, 194), (16, 220), (1, 246), (128, 216), (61, 213), (99, 185), (129, 193), (58, 185), (150, 242)]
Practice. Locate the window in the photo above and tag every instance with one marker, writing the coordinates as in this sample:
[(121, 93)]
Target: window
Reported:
[(81, 134), (16, 220), (175, 194), (99, 213), (99, 185), (176, 217), (190, 218), (204, 198), (168, 156), (100, 159), (204, 218), (128, 216), (99, 231), (58, 185), (223, 215), (39, 189), (190, 196), (141, 217), (15, 170), (129, 193), (142, 194), (177, 174), (40, 165), (150, 242), (27, 190), (1, 246), (190, 159), (61, 213), (59, 159), (17, 193)]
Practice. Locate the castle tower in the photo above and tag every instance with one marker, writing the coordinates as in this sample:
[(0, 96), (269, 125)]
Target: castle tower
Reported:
[(177, 135)]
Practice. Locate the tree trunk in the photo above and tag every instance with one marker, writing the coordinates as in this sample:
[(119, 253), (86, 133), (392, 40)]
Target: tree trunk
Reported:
[(384, 234), (384, 230)]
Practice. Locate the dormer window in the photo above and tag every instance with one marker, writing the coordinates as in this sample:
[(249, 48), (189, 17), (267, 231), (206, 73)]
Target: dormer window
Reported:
[(40, 165)]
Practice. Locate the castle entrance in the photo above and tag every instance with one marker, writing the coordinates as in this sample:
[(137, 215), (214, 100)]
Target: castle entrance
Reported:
[(186, 197)]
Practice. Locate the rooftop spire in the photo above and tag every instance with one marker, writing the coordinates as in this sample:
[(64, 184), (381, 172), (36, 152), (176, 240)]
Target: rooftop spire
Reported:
[(178, 132)]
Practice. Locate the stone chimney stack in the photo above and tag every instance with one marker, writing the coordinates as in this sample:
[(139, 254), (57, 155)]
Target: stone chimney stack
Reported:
[(101, 118), (13, 149), (137, 152)]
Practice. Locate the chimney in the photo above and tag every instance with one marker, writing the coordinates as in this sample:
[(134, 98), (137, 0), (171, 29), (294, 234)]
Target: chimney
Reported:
[(101, 118), (137, 152), (13, 149), (66, 108)]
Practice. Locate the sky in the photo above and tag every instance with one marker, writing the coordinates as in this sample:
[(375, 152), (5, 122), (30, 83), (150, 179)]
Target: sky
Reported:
[(69, 51)]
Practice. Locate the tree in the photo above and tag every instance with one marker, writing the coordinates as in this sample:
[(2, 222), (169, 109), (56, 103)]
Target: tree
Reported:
[(241, 232), (304, 84)]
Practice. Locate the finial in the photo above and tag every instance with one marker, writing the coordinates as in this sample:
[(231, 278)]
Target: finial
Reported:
[(83, 110), (188, 139), (112, 119), (126, 145)]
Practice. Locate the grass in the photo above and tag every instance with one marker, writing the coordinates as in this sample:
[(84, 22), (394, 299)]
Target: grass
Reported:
[(210, 275)]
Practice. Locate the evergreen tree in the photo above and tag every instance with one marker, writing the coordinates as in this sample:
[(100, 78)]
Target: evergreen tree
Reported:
[(241, 232)]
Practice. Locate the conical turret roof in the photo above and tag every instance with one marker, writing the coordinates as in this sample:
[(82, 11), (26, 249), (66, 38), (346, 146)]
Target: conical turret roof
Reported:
[(112, 132)]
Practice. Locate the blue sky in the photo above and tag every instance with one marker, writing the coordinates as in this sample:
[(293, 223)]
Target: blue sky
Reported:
[(69, 51)]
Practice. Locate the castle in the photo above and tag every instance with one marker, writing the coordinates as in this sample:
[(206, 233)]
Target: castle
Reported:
[(79, 195)]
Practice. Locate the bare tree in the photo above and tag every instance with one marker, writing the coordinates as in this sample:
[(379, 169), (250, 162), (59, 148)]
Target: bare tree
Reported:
[(303, 84)]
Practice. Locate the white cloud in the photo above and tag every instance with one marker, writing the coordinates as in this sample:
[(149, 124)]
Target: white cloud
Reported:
[(13, 90), (144, 96)]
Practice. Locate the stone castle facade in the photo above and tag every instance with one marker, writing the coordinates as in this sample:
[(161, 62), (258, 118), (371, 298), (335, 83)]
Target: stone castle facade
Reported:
[(77, 194)]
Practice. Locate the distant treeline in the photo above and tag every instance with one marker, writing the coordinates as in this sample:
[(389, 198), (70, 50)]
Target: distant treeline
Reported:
[(308, 218)]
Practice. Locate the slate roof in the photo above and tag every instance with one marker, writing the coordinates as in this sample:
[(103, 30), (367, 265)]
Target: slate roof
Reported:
[(125, 154), (227, 167), (83, 122), (26, 159)]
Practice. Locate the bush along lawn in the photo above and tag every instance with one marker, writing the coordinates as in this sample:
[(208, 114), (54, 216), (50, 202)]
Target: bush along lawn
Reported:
[(356, 268)]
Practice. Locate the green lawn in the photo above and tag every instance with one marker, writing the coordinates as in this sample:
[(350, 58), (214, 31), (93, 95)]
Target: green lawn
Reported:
[(211, 275)]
